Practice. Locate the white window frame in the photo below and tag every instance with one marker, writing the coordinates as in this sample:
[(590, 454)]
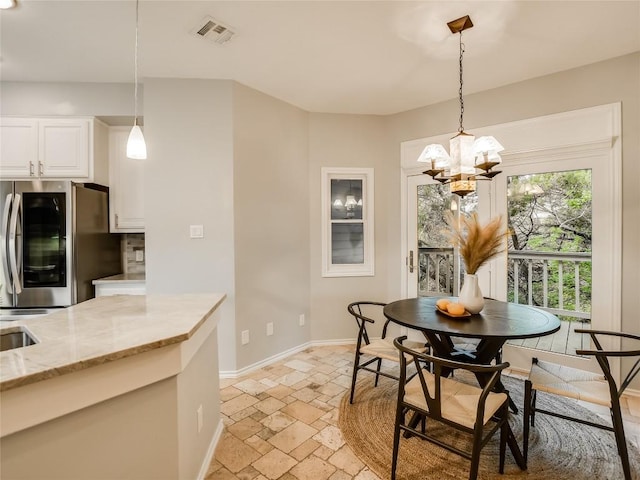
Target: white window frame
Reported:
[(365, 269)]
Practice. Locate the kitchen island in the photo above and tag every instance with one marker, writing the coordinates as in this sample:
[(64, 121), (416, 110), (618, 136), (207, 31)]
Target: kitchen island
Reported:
[(122, 284), (116, 387)]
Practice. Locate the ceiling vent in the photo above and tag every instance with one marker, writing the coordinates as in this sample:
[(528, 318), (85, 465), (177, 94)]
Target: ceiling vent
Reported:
[(213, 30)]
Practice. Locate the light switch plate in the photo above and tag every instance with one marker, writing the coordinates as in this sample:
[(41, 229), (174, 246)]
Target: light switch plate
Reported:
[(196, 231)]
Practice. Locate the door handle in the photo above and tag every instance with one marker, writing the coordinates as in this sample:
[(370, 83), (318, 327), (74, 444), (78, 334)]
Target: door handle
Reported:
[(4, 243), (410, 261), (40, 168), (31, 171), (13, 257)]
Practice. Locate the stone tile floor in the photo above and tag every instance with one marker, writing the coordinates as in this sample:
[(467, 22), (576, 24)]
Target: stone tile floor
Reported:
[(281, 421)]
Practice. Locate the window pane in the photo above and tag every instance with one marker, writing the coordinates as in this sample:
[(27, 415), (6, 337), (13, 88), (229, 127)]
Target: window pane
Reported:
[(347, 243), (550, 232), (435, 254), (346, 199)]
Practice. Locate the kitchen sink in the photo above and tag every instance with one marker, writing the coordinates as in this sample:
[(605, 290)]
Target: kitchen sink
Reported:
[(15, 337)]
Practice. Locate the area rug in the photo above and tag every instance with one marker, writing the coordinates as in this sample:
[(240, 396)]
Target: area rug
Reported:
[(558, 449)]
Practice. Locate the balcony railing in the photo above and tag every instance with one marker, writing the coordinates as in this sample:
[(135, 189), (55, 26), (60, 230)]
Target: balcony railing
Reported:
[(436, 267), (557, 282)]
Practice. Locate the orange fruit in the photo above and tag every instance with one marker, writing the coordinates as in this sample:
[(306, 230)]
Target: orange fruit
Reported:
[(455, 308), (442, 303)]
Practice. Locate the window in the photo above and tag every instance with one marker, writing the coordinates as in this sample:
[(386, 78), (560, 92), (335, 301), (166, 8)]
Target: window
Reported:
[(347, 222)]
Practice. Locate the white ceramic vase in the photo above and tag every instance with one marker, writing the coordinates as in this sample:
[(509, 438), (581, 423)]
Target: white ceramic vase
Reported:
[(470, 294)]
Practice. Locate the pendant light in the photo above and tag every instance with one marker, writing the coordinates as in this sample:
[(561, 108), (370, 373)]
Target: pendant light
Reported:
[(467, 155), (5, 4), (136, 147)]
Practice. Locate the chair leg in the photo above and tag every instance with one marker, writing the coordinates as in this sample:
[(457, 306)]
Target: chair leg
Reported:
[(400, 413), (377, 374), (475, 453), (356, 362), (534, 398), (527, 420), (504, 432), (618, 428)]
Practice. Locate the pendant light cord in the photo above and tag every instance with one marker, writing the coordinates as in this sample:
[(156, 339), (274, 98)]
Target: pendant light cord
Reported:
[(461, 129), (135, 74)]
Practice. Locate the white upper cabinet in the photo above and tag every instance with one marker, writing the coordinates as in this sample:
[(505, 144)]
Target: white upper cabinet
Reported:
[(65, 147), (18, 147), (126, 185)]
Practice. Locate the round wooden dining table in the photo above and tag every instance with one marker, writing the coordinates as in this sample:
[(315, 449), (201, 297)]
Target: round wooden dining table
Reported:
[(493, 326)]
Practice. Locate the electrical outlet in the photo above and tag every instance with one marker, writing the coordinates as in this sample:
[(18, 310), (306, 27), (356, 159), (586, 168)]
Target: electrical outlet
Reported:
[(301, 320), (245, 337), (196, 231), (139, 255), (269, 329), (200, 418)]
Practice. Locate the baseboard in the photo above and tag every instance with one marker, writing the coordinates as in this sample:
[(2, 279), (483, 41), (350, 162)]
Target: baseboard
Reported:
[(204, 468), (632, 392), (282, 355)]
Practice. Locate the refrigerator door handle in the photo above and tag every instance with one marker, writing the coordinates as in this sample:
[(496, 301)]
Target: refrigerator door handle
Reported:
[(13, 257), (4, 243)]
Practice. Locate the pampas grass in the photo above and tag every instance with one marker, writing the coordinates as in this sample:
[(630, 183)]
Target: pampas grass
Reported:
[(477, 244)]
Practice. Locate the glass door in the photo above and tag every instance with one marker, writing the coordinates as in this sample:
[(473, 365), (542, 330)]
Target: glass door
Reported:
[(555, 258), (433, 263)]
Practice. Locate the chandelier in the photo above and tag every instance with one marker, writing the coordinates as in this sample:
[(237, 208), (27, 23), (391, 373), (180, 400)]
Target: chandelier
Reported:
[(470, 159)]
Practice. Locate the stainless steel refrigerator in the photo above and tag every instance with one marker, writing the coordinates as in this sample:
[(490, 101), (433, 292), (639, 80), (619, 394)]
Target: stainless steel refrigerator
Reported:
[(54, 241)]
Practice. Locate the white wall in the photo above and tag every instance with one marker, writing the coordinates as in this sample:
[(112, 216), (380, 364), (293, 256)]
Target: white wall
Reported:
[(40, 98), (189, 181), (352, 141), (271, 205)]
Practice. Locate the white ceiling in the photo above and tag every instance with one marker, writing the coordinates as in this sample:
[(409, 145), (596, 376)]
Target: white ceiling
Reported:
[(373, 57)]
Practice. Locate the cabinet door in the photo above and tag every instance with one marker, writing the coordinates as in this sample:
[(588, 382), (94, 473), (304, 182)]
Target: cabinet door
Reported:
[(64, 148), (18, 147), (125, 185)]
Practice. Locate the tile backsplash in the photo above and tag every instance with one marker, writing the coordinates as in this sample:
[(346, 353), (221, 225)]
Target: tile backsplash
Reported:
[(132, 245)]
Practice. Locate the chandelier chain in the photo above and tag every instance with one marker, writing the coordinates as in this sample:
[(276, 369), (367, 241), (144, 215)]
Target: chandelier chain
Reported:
[(461, 128)]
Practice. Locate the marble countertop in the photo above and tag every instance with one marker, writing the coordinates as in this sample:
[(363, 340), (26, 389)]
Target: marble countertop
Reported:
[(101, 330), (121, 278)]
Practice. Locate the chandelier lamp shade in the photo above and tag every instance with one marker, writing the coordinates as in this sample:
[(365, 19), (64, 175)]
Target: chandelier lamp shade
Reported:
[(136, 146), (469, 158), (5, 4)]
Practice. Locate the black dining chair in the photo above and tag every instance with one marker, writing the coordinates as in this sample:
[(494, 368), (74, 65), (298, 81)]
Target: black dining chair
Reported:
[(370, 351), (578, 384), (476, 411)]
